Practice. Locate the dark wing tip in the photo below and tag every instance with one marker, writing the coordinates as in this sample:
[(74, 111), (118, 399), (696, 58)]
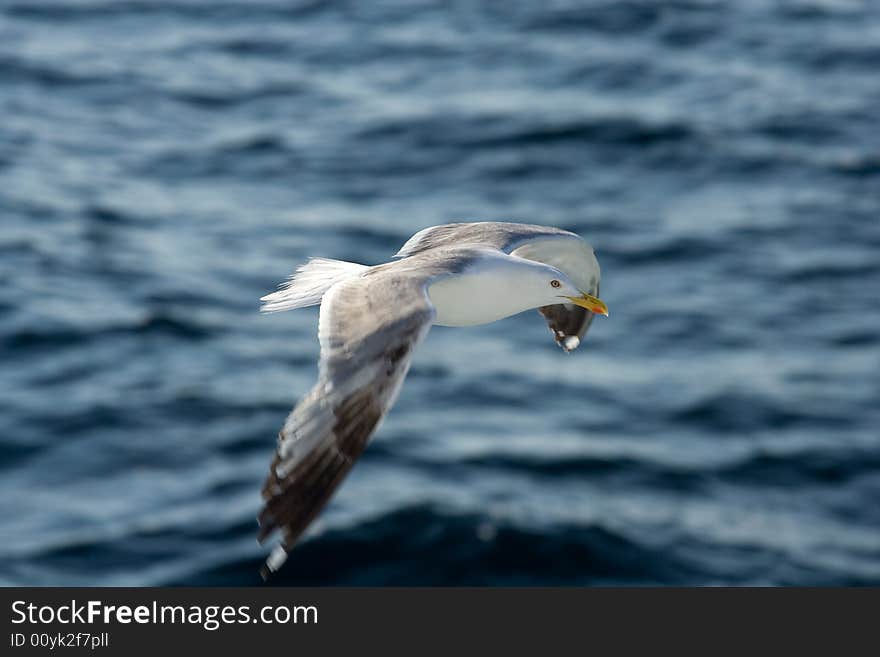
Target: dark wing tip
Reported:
[(293, 499), (568, 324)]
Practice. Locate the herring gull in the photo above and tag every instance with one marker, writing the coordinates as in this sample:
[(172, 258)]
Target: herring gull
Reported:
[(371, 320)]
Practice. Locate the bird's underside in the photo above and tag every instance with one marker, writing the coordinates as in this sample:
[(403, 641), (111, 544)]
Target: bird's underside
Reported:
[(371, 320)]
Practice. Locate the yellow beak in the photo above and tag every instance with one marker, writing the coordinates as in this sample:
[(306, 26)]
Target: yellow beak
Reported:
[(591, 303)]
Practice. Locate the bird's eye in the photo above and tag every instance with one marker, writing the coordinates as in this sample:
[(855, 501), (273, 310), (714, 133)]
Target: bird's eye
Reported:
[(555, 283)]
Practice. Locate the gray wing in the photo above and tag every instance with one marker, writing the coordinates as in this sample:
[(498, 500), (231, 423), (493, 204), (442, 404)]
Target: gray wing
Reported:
[(492, 234), (568, 323), (368, 328)]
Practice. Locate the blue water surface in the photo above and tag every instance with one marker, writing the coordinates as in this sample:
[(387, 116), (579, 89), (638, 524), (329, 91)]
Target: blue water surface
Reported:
[(164, 163)]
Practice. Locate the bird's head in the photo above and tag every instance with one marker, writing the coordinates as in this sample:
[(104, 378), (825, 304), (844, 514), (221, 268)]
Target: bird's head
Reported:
[(556, 287), (577, 302)]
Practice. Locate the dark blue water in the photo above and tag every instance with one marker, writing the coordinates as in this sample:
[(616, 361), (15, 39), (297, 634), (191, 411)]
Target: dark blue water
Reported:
[(163, 164)]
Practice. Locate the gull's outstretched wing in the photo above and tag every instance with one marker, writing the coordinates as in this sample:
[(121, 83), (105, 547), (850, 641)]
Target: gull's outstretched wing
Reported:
[(553, 246), (368, 328), (499, 235)]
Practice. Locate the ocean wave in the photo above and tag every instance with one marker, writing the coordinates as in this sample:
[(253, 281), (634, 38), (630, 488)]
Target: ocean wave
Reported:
[(155, 324), (53, 10)]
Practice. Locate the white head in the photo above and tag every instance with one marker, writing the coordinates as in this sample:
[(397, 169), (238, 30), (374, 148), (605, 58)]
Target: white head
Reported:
[(568, 254), (541, 284)]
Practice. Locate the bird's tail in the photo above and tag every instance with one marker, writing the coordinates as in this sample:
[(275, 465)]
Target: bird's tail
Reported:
[(307, 285)]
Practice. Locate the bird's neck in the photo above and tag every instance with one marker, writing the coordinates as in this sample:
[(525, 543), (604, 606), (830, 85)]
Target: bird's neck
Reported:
[(479, 296)]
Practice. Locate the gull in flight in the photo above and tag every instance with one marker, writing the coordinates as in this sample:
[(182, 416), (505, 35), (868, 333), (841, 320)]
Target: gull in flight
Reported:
[(371, 320)]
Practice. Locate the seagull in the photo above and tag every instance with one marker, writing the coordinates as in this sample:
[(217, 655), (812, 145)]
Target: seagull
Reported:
[(371, 320)]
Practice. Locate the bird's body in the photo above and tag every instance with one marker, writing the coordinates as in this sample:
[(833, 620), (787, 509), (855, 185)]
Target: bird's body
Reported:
[(372, 318)]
